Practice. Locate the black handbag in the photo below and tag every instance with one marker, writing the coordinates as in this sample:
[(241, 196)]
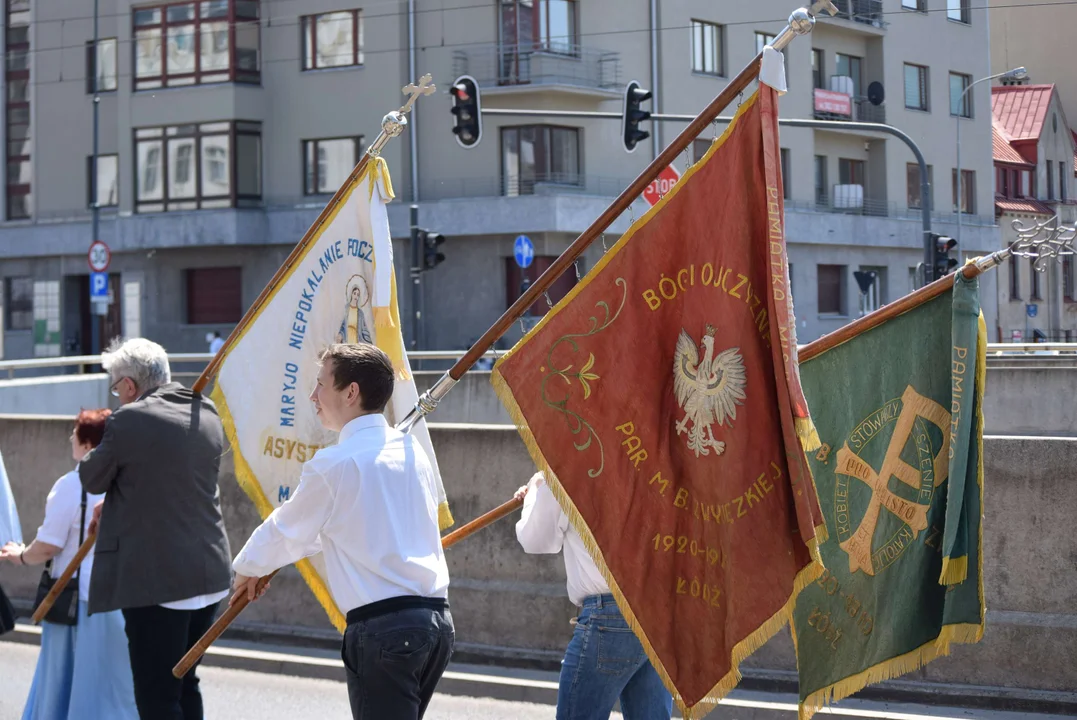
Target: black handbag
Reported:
[(65, 611)]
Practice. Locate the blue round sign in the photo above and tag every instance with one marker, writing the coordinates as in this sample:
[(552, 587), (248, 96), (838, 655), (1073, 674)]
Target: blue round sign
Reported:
[(1032, 310), (524, 251)]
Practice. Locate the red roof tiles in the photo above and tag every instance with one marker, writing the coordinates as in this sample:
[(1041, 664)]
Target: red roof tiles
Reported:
[(1021, 205), (1021, 109), (1003, 151)]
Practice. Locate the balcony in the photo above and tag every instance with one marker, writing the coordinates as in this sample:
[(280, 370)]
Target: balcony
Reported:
[(867, 12), (833, 105), (552, 183), (513, 69)]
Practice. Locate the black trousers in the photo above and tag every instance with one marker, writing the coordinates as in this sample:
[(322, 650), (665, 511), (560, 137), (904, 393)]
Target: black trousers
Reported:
[(394, 662), (157, 638)]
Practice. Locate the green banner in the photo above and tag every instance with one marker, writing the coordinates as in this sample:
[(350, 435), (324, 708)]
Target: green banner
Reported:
[(900, 479)]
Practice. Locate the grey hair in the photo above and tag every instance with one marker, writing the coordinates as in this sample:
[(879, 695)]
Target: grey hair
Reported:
[(144, 361)]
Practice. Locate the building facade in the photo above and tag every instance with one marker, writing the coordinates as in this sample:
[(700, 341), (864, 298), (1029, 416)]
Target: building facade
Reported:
[(1034, 165), (226, 125)]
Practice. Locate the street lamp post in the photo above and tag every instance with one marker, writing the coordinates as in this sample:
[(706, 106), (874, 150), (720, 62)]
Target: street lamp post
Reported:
[(1018, 73)]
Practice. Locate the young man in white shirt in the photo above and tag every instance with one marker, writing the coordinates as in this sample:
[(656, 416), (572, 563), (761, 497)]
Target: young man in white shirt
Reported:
[(369, 505), (604, 661)]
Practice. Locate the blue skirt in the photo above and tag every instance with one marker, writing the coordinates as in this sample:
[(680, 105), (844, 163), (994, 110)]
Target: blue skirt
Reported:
[(83, 672)]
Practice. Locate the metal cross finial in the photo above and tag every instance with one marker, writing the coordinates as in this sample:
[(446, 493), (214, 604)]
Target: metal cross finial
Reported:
[(413, 91)]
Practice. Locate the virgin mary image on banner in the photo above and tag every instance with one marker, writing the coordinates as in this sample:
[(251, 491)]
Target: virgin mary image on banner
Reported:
[(353, 328)]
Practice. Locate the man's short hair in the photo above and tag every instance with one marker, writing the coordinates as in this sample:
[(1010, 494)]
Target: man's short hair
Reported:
[(366, 366), (144, 361)]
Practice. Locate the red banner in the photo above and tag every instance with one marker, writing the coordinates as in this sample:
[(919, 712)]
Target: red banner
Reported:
[(662, 398)]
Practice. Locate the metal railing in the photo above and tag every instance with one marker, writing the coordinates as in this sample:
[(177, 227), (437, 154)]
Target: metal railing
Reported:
[(872, 207), (82, 362), (553, 64), (541, 184), (869, 12)]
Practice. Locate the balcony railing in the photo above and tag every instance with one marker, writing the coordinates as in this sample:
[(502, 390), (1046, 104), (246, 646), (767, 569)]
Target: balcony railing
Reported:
[(869, 12), (512, 65), (543, 184)]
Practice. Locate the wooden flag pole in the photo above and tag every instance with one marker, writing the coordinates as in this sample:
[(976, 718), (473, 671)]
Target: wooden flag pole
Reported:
[(232, 612), (65, 577), (801, 22)]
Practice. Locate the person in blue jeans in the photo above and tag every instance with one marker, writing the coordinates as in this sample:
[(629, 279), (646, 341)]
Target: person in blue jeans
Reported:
[(604, 661)]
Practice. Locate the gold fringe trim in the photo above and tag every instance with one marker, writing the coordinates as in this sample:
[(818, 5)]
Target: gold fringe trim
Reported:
[(954, 570), (250, 485), (809, 436), (445, 519), (741, 650), (962, 633)]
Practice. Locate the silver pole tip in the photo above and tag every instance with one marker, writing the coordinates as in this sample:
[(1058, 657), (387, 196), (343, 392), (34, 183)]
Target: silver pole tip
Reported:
[(394, 123), (801, 21)]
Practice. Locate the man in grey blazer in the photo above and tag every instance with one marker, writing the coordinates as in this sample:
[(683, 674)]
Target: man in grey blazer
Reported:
[(162, 556)]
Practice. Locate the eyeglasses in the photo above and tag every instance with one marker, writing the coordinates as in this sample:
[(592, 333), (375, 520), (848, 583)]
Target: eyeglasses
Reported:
[(112, 389)]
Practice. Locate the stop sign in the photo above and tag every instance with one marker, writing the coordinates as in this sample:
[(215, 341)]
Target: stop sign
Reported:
[(661, 185)]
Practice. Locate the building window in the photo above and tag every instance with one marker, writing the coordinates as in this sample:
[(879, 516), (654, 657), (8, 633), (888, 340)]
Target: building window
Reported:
[(101, 65), (108, 169), (958, 11), (536, 154), (214, 295), (916, 94), (786, 184), (1062, 180), (1015, 278), (194, 43), (912, 182), (514, 283), (19, 301), (831, 289), (190, 167), (1067, 278), (960, 101), (548, 25), (708, 48), (822, 189), (850, 67), (968, 191), (17, 77), (818, 76), (328, 162), (1034, 281), (850, 172), (332, 40), (917, 5), (47, 318), (1003, 180), (1050, 180)]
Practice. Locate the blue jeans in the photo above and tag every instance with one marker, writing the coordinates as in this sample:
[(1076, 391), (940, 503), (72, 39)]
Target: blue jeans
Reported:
[(605, 662)]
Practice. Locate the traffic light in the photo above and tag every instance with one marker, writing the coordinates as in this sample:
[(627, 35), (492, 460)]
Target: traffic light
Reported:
[(465, 107), (633, 116), (942, 264), (432, 255)]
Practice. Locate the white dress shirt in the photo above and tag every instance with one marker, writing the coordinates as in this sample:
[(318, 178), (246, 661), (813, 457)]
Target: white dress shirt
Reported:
[(61, 527), (369, 505), (544, 529)]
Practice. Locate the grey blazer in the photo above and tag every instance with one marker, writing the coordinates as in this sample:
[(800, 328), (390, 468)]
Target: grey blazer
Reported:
[(161, 537)]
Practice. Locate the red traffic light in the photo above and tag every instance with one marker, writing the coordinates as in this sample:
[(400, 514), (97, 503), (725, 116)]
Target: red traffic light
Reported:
[(460, 92)]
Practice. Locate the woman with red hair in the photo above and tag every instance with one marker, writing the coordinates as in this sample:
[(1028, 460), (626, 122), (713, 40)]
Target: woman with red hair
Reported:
[(83, 670)]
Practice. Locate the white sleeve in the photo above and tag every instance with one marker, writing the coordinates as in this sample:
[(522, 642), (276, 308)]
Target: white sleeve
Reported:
[(291, 532), (61, 513), (540, 529)]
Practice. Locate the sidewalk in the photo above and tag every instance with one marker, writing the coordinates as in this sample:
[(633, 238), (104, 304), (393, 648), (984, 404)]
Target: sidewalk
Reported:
[(531, 686)]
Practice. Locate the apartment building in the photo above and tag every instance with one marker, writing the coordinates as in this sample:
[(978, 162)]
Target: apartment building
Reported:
[(227, 124)]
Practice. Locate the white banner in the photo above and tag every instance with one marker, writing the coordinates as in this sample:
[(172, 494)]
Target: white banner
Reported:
[(341, 289), (10, 528)]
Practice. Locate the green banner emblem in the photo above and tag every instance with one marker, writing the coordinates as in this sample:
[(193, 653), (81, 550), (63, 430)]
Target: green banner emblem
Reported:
[(900, 481)]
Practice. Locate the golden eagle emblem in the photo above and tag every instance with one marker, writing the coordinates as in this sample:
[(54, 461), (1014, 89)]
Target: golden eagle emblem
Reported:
[(707, 390)]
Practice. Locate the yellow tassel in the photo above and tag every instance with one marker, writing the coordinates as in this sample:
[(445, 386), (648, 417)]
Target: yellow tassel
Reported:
[(809, 436), (249, 482), (954, 570), (445, 519)]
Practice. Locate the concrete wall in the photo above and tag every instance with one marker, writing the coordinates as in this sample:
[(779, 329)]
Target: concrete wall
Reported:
[(57, 395), (509, 606)]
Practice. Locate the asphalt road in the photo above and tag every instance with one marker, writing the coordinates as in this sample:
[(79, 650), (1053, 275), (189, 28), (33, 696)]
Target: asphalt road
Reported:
[(239, 694)]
